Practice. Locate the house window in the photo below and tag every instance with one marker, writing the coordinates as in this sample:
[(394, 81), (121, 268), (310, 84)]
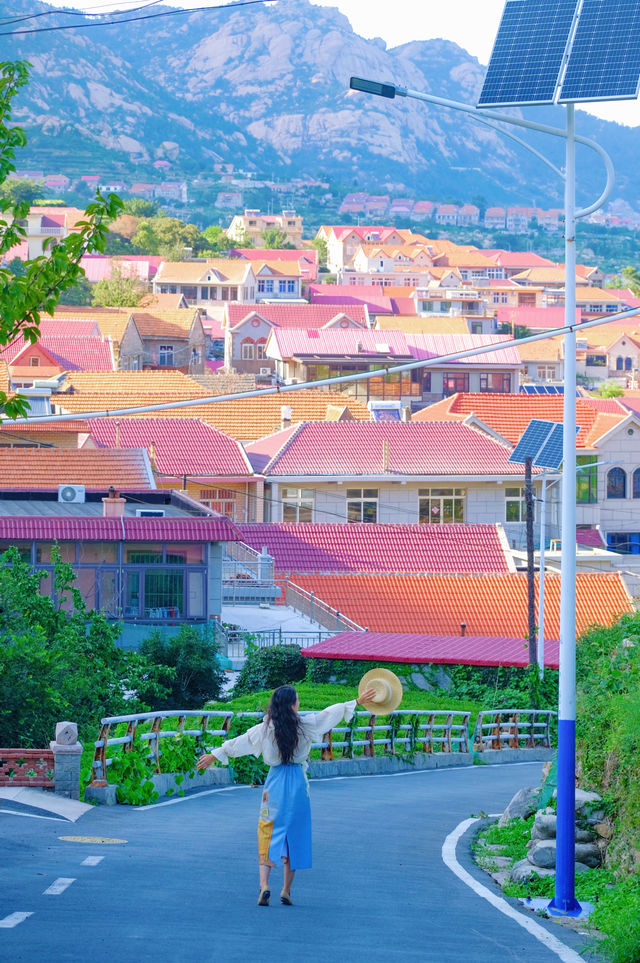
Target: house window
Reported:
[(515, 508), (619, 363), (282, 287), (297, 504), (204, 293), (476, 327), (441, 506), (546, 372), (247, 349), (221, 500), (190, 292), (586, 480), (636, 483), (453, 382), (362, 504), (34, 362), (617, 483), (165, 355), (495, 383), (260, 287), (596, 360), (627, 364), (260, 346)]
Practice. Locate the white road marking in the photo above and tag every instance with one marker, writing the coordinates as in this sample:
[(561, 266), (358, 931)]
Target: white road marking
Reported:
[(315, 782), (14, 812), (13, 919), (564, 952), (58, 886), (92, 860)]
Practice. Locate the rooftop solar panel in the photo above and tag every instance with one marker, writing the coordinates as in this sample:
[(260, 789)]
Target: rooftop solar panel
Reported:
[(604, 63), (528, 53), (541, 441)]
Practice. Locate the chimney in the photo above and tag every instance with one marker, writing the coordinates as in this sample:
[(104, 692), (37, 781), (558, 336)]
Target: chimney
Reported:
[(385, 456), (152, 455), (285, 416), (463, 628), (113, 505), (405, 413)]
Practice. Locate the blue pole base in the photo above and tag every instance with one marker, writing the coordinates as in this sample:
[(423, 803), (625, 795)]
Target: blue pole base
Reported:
[(538, 904), (567, 908), (564, 902)]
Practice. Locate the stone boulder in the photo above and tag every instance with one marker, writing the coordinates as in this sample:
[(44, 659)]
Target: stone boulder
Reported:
[(589, 854), (543, 854), (523, 871), (544, 826), (521, 806)]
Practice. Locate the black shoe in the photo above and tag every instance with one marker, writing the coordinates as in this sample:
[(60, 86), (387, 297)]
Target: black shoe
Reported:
[(285, 898), (263, 898)]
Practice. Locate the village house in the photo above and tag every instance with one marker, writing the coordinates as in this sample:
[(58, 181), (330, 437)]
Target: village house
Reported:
[(307, 259), (343, 242), (45, 225), (432, 474), (201, 282), (252, 225)]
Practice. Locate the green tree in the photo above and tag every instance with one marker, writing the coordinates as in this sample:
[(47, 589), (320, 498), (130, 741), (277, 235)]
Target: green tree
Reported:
[(167, 236), (275, 237), (59, 660), (218, 241), (193, 655), (320, 245), (16, 266), (610, 390), (23, 298), (20, 190), (118, 291), (140, 207), (81, 293)]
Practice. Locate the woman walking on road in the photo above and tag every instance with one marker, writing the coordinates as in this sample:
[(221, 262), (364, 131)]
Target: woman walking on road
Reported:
[(284, 739)]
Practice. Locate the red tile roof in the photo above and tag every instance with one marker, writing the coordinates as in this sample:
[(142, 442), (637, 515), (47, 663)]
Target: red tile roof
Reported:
[(379, 548), (46, 468), (213, 528), (182, 445), (297, 315), (438, 649), (363, 448), (591, 537), (509, 415), (424, 346), (71, 354), (489, 605)]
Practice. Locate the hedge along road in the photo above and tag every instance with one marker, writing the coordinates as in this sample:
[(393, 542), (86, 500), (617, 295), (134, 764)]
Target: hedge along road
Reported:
[(183, 887)]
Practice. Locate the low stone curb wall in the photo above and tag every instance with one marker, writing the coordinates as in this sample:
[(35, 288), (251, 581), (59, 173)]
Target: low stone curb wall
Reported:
[(214, 776)]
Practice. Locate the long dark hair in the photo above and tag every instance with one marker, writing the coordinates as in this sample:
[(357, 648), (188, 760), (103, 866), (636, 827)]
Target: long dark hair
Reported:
[(286, 721)]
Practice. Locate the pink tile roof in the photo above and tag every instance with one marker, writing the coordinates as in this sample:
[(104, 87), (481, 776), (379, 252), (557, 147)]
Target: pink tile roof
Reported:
[(297, 315), (72, 354), (213, 528), (182, 445), (330, 547), (61, 327), (334, 342), (424, 346), (352, 294), (438, 649), (99, 267), (358, 448), (307, 259), (591, 537), (511, 259), (534, 318)]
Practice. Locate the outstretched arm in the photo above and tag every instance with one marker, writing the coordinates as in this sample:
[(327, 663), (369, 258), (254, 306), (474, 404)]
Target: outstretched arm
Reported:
[(247, 744)]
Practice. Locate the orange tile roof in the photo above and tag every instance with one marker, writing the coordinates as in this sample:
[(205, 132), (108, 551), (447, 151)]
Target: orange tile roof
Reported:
[(608, 296), (46, 468), (413, 324), (165, 324), (246, 419), (548, 350), (509, 415), (277, 267), (542, 275), (604, 335), (160, 302), (170, 382), (231, 271), (489, 605), (4, 376)]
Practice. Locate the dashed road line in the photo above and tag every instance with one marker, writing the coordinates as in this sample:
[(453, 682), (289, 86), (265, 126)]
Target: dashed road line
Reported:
[(564, 952), (59, 885), (92, 860), (13, 919)]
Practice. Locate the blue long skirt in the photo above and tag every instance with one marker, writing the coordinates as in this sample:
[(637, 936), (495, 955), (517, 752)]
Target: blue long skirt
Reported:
[(284, 826)]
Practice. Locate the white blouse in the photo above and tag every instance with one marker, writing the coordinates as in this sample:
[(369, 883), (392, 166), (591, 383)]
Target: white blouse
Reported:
[(260, 740)]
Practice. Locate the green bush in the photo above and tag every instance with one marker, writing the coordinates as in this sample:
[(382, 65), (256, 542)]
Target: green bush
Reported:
[(269, 668), (248, 770), (193, 655)]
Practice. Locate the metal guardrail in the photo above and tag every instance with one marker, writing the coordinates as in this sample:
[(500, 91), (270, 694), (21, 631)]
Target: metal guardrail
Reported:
[(407, 731), (238, 640), (316, 610), (513, 729)]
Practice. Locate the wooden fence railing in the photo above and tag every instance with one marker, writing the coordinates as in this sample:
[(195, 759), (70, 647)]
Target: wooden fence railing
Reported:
[(513, 729)]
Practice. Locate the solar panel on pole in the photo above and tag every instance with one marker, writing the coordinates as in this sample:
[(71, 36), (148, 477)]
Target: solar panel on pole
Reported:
[(604, 62), (528, 53)]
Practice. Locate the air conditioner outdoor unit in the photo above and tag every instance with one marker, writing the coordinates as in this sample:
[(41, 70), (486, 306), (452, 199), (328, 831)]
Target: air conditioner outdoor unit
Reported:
[(291, 381), (149, 512), (265, 371), (71, 494)]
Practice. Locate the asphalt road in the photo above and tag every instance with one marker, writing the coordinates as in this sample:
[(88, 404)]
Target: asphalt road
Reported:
[(183, 887)]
